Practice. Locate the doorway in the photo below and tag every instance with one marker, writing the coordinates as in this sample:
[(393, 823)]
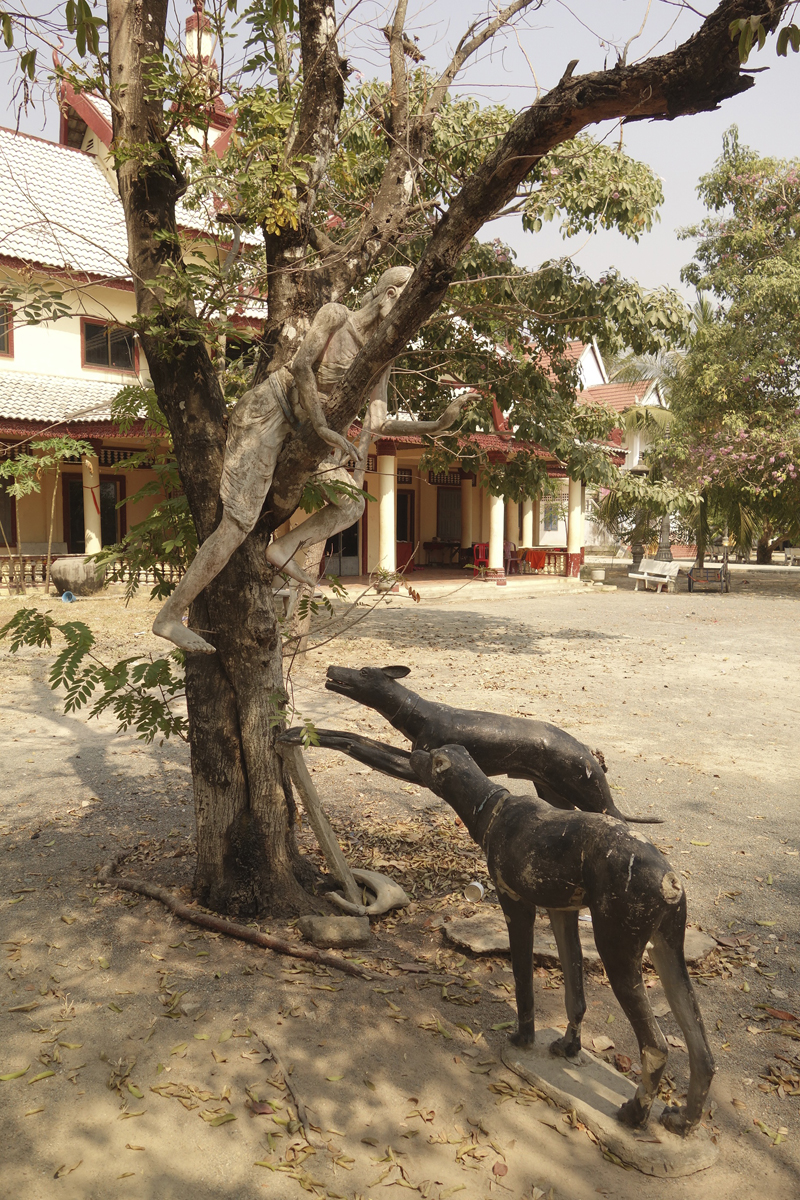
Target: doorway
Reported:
[(341, 552), (405, 529), (112, 519), (448, 514)]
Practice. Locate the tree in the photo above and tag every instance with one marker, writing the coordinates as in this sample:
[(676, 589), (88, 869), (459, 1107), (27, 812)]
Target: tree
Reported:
[(293, 151), (736, 401)]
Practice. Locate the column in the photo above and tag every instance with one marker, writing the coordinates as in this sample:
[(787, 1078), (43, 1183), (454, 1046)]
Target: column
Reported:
[(574, 527), (527, 523), (664, 553), (496, 530), (90, 469), (512, 521), (387, 516), (466, 512)]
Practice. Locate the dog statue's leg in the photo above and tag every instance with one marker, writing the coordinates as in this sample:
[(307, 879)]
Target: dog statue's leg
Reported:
[(564, 924), (621, 952), (669, 962), (519, 919)]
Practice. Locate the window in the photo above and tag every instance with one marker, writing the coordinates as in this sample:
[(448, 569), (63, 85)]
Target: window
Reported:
[(107, 346), (404, 475), (6, 332), (550, 517)]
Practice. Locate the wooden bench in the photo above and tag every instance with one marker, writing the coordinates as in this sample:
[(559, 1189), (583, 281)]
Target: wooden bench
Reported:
[(792, 554), (718, 578), (659, 574)]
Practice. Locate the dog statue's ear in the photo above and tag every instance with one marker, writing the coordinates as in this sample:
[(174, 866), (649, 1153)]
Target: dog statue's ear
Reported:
[(440, 762), (396, 672)]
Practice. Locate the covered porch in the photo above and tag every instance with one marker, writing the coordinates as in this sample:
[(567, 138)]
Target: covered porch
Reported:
[(424, 520)]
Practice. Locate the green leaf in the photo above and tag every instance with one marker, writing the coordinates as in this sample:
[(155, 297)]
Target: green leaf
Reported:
[(16, 1074)]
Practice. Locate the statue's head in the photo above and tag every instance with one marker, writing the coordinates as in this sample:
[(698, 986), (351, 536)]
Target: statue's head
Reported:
[(388, 288)]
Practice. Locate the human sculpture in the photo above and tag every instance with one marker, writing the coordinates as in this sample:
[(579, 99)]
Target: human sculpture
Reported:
[(566, 861), (258, 427)]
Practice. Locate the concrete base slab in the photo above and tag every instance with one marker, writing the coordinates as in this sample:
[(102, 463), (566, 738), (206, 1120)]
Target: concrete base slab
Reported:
[(486, 933), (595, 1092)]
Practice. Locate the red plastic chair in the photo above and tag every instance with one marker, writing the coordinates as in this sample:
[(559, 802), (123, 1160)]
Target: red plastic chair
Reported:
[(480, 558)]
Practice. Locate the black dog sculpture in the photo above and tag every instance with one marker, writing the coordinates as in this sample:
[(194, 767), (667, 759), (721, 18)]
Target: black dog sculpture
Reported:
[(565, 772), (566, 861)]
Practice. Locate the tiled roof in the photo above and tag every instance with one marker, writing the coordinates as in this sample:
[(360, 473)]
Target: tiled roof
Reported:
[(618, 396), (28, 397), (58, 209)]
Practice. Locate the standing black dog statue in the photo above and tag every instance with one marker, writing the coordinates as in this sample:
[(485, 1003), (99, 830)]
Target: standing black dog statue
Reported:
[(565, 772), (566, 861)]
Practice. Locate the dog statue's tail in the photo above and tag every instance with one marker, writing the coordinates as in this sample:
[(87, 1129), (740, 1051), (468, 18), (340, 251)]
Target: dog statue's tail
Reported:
[(636, 820)]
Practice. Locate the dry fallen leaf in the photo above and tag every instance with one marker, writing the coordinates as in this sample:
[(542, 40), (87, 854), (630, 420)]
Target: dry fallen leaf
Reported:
[(599, 1044), (65, 1170), (779, 1014)]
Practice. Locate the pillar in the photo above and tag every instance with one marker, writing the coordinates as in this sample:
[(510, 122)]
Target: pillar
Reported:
[(664, 553), (512, 521), (90, 469), (527, 523), (496, 531), (466, 512), (574, 527), (387, 516)]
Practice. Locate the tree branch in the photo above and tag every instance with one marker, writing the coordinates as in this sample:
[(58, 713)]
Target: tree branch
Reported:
[(468, 46), (695, 77)]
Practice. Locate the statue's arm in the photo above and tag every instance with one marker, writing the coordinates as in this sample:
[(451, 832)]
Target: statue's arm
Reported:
[(401, 427), (329, 319)]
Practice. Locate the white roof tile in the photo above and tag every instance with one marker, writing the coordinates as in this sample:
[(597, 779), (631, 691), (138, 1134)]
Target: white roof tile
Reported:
[(29, 397), (58, 210)]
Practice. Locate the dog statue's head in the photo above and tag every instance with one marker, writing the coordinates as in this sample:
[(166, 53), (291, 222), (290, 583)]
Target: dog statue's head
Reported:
[(374, 686)]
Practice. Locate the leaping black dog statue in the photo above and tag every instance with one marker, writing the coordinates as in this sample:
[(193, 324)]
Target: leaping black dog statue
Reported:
[(565, 772), (566, 861)]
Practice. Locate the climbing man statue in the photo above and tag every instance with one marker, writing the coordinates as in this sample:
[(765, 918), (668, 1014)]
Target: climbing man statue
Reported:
[(258, 427)]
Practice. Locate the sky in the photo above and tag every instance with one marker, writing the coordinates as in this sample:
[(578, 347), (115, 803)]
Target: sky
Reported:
[(537, 51)]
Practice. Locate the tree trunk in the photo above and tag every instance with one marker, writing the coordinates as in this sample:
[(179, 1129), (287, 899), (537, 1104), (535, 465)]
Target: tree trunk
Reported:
[(300, 624), (764, 551), (247, 858)]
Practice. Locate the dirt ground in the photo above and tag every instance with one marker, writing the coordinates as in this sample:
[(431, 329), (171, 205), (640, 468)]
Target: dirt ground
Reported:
[(134, 1057)]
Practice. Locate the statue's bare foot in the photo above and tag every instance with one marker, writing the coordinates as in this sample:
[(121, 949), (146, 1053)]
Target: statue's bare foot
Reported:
[(289, 567), (177, 633)]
